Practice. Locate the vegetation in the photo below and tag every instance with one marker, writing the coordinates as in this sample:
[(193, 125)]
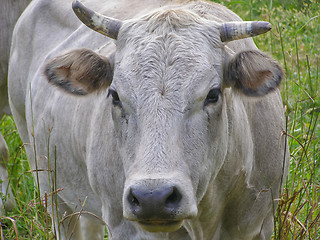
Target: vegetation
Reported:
[(294, 42)]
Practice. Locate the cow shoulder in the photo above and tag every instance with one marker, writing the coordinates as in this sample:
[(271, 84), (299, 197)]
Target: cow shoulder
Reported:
[(252, 72), (79, 72)]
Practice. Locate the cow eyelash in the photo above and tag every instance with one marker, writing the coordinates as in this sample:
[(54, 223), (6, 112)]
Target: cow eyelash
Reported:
[(115, 97), (213, 96)]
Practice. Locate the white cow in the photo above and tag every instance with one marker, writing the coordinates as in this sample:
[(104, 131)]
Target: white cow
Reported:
[(9, 13), (168, 128), (9, 202)]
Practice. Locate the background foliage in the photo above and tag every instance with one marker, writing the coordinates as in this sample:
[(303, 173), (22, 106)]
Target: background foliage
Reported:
[(294, 42)]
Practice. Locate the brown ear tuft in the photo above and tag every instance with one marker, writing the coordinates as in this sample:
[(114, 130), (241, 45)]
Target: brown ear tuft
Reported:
[(79, 72), (253, 72)]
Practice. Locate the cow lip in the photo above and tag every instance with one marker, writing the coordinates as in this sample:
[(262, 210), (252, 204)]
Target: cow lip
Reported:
[(159, 222), (160, 225)]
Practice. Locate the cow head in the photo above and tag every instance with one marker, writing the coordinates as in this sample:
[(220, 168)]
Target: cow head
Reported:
[(166, 87)]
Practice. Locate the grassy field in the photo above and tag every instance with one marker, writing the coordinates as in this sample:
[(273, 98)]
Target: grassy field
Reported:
[(294, 42)]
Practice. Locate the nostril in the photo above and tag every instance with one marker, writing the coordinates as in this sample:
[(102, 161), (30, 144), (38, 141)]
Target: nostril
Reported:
[(173, 199), (132, 199)]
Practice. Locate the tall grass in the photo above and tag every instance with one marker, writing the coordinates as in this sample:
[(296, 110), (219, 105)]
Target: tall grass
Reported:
[(29, 220), (294, 42)]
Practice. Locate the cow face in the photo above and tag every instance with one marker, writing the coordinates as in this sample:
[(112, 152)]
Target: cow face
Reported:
[(167, 97), (168, 108)]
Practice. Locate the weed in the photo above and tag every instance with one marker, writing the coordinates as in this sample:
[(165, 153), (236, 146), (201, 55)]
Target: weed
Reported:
[(294, 42)]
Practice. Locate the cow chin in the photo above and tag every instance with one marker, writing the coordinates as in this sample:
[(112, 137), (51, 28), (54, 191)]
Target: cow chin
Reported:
[(160, 226)]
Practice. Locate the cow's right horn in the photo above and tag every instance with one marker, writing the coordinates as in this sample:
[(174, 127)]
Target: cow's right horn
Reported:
[(230, 31), (102, 24)]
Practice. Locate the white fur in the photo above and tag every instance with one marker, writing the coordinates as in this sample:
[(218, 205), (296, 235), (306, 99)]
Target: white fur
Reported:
[(163, 71)]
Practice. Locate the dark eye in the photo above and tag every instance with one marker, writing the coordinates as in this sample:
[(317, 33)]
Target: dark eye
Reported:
[(115, 97), (213, 96)]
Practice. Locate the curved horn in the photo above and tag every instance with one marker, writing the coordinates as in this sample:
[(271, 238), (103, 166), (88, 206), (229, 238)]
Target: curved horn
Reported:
[(102, 24), (230, 31)]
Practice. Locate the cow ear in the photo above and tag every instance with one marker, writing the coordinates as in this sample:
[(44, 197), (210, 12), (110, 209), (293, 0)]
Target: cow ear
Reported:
[(252, 72), (79, 72)]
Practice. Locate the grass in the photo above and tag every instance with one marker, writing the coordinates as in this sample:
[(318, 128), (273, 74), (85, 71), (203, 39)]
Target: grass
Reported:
[(294, 42), (29, 219)]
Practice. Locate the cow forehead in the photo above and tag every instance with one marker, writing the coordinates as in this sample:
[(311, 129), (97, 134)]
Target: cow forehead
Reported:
[(169, 28), (169, 54), (170, 70)]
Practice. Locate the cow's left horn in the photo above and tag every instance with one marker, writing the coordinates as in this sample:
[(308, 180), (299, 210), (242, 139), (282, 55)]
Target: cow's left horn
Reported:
[(230, 31), (102, 24)]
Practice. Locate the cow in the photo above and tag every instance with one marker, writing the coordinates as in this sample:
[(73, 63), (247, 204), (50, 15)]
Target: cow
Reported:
[(165, 122), (9, 13), (9, 202)]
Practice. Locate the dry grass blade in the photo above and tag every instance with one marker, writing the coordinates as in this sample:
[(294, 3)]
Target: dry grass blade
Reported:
[(85, 212), (32, 171), (14, 226)]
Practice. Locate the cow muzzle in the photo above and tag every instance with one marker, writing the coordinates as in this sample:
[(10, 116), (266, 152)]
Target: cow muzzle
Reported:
[(158, 205)]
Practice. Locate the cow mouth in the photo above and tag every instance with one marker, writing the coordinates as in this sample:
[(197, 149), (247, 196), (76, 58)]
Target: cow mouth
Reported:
[(160, 225)]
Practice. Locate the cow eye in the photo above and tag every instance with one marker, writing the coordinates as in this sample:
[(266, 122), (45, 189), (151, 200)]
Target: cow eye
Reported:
[(115, 97), (213, 96)]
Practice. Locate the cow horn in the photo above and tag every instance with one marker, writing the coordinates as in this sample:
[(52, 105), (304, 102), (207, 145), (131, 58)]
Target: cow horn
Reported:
[(230, 31), (102, 24)]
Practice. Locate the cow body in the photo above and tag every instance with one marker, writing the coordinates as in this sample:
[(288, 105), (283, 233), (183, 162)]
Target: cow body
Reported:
[(174, 149), (9, 14), (9, 202)]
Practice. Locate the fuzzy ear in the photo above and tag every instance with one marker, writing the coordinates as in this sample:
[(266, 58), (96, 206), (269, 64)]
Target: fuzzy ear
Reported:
[(79, 72), (252, 72)]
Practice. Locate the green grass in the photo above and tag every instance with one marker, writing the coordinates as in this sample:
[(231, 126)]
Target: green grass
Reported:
[(29, 219), (295, 42)]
